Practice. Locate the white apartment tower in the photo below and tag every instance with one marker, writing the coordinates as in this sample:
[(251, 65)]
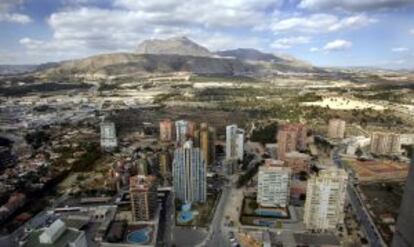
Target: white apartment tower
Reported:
[(234, 142), (385, 143), (336, 128), (108, 136), (325, 199), (273, 188)]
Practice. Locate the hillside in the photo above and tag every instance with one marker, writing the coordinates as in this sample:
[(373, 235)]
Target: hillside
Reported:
[(177, 55), (122, 64)]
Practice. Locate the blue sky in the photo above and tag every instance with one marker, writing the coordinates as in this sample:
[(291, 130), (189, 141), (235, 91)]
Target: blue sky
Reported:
[(377, 33)]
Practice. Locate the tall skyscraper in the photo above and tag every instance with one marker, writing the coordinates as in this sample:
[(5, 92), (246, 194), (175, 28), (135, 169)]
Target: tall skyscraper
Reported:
[(205, 142), (108, 136), (273, 188), (189, 174), (181, 128), (166, 130), (184, 131), (212, 143), (143, 193), (336, 128), (286, 142), (404, 232), (165, 166), (325, 199), (191, 127), (385, 143), (234, 142)]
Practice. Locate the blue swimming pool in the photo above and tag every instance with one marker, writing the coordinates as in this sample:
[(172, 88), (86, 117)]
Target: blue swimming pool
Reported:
[(184, 217), (141, 236)]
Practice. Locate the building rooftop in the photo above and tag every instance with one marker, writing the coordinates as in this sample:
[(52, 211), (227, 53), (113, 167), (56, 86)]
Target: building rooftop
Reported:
[(66, 237), (141, 182)]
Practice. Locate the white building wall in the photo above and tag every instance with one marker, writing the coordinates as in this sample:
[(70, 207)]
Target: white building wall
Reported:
[(325, 199), (273, 189)]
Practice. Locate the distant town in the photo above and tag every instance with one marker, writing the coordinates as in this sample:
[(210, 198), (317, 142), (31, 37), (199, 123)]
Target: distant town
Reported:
[(74, 174)]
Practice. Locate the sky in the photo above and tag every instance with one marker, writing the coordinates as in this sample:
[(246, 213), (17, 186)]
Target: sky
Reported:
[(374, 33)]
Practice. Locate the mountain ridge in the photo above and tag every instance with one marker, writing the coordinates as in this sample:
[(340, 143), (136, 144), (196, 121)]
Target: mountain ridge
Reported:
[(173, 46), (178, 54)]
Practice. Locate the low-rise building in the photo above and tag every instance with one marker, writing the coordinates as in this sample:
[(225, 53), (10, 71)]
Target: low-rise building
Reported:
[(298, 162), (273, 188), (56, 235)]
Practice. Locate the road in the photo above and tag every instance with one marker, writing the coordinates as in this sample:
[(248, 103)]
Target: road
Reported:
[(368, 225), (216, 236), (166, 221)]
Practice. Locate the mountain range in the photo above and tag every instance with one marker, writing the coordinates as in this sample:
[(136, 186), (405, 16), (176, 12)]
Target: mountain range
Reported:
[(178, 54)]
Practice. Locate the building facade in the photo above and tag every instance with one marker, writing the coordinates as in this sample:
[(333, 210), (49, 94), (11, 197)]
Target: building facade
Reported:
[(165, 167), (166, 130), (234, 142), (286, 143), (298, 162), (108, 136), (336, 128), (273, 188), (184, 130), (205, 142), (325, 199), (143, 194), (189, 174), (181, 129), (385, 143)]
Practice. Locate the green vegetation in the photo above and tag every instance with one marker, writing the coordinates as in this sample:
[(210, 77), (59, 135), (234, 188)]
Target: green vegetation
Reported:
[(266, 134), (43, 87), (37, 138), (248, 175), (87, 160), (308, 97), (222, 78), (107, 87), (389, 95), (161, 98)]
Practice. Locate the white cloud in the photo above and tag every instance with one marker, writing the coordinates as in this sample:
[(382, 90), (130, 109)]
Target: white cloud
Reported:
[(86, 31), (206, 13), (353, 5), (6, 5), (286, 43), (7, 13), (162, 5), (320, 23), (79, 31), (412, 31), (15, 18), (337, 45), (399, 49), (314, 49)]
